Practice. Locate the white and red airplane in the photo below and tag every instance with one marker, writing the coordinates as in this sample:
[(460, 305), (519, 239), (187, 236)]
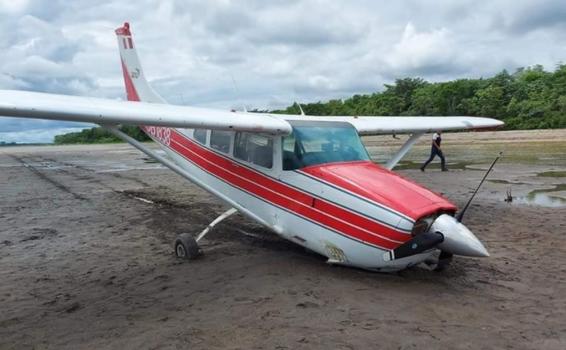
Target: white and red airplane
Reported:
[(307, 178)]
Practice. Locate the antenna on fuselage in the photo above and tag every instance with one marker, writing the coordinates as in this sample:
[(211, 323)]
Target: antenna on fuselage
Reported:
[(300, 108)]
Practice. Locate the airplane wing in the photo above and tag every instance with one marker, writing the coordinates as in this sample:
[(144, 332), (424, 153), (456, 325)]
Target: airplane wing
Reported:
[(406, 125), (111, 112), (26, 104)]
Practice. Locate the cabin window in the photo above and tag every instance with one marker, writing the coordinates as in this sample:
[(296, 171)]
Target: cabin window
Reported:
[(220, 140), (200, 135), (290, 152), (315, 143), (254, 148)]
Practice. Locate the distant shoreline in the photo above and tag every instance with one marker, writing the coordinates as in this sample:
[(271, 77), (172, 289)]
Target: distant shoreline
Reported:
[(455, 138)]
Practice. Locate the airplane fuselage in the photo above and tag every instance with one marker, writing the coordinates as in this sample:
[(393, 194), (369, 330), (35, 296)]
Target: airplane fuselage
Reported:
[(351, 212), (307, 178)]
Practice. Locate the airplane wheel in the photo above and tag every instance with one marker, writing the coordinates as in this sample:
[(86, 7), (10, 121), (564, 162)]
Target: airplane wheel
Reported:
[(443, 261), (186, 247)]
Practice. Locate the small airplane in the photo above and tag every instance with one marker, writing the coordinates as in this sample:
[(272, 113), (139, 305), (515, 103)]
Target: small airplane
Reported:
[(309, 179)]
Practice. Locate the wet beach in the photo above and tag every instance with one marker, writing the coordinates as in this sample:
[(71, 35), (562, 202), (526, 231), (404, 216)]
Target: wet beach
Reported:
[(86, 258)]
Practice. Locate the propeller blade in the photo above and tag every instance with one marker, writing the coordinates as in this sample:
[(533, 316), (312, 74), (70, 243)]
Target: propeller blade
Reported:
[(461, 213), (416, 245)]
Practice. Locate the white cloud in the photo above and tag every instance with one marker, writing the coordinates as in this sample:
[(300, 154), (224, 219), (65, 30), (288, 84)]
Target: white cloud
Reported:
[(13, 7), (421, 50), (278, 51)]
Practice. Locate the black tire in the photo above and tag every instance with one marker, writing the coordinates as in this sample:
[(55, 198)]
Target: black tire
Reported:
[(186, 247), (443, 261)]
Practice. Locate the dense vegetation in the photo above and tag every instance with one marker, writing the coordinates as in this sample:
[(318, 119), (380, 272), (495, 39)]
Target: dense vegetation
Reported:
[(99, 135), (530, 98)]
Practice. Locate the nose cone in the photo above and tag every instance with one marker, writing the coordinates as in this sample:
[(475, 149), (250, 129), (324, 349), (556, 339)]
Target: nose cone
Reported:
[(458, 240)]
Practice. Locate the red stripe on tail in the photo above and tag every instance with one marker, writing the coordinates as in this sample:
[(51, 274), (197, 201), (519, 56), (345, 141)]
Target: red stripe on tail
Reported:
[(130, 88)]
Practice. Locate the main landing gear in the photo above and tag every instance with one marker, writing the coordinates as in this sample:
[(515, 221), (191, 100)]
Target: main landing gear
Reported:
[(186, 246), (444, 259), (439, 263)]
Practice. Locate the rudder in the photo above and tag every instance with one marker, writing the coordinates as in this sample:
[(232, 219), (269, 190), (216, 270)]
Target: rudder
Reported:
[(137, 87)]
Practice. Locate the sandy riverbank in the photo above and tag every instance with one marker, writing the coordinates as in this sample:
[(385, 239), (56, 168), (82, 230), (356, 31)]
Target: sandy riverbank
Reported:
[(85, 264)]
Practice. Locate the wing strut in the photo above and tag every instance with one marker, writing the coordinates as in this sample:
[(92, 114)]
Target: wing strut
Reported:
[(404, 149), (301, 109)]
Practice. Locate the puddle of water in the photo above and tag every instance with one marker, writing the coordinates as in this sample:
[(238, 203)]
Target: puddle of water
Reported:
[(507, 182), (542, 200), (543, 197), (497, 181), (539, 197)]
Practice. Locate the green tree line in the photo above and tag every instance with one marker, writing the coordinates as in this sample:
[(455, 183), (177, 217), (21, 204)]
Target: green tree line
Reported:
[(99, 135), (530, 98)]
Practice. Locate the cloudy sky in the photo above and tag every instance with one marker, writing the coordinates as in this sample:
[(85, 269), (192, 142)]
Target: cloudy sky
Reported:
[(274, 52)]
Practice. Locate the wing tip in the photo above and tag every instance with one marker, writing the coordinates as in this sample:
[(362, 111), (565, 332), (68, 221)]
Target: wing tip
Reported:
[(494, 123)]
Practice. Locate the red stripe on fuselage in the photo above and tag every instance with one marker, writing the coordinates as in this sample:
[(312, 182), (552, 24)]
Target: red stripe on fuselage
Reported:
[(300, 203), (315, 209)]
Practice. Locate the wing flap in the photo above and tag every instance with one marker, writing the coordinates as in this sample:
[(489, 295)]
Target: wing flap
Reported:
[(26, 104)]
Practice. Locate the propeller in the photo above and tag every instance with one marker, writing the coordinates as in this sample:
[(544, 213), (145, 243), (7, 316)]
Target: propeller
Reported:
[(418, 244), (447, 233), (446, 257), (460, 215)]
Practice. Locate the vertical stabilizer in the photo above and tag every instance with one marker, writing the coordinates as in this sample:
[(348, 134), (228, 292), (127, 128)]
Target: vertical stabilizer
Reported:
[(137, 87)]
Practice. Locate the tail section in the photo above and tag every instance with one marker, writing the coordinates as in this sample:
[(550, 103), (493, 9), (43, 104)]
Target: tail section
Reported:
[(137, 87)]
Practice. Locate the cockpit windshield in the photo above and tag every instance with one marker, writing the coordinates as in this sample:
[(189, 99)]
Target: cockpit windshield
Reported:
[(314, 143)]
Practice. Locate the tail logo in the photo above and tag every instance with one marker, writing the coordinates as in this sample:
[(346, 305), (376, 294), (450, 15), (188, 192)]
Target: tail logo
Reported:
[(135, 73)]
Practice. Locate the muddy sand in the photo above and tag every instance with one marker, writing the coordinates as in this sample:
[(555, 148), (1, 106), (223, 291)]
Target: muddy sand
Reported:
[(86, 259)]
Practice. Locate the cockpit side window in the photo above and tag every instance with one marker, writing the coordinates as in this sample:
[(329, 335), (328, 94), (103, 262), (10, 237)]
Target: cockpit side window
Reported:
[(200, 135), (220, 140), (291, 159), (254, 148), (321, 143)]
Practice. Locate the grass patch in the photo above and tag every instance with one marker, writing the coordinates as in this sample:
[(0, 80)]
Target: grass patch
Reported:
[(552, 174)]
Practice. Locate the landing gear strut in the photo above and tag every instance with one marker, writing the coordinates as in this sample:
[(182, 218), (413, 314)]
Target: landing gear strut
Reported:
[(186, 246), (440, 263)]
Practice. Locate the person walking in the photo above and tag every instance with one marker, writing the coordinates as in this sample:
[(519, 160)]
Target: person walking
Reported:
[(436, 151)]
